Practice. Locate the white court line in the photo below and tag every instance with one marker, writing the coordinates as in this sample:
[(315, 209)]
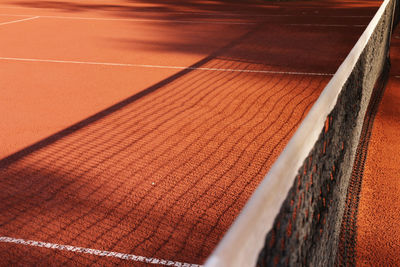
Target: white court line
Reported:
[(20, 20), (137, 20), (96, 252), (163, 66)]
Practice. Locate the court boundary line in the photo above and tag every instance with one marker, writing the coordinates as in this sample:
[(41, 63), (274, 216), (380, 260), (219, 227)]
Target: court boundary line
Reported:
[(95, 252), (163, 66), (20, 20)]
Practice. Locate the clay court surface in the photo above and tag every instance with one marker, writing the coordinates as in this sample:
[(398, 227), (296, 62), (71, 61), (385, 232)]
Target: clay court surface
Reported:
[(143, 127)]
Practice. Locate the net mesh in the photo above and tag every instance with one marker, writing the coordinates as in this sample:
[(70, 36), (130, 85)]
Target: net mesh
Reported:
[(306, 230)]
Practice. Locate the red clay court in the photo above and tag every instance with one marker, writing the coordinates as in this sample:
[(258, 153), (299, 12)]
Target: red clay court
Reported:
[(134, 132)]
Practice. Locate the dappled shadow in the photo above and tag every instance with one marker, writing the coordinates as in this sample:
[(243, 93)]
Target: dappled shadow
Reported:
[(284, 40), (302, 49)]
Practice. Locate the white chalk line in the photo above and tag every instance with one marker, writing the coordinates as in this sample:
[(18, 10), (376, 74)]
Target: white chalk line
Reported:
[(20, 20), (162, 66), (96, 252)]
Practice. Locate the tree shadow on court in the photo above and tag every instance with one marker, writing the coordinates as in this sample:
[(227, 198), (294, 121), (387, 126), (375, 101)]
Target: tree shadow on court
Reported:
[(279, 43)]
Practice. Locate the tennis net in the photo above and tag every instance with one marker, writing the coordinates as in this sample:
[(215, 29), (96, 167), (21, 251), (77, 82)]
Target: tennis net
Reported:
[(294, 216)]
